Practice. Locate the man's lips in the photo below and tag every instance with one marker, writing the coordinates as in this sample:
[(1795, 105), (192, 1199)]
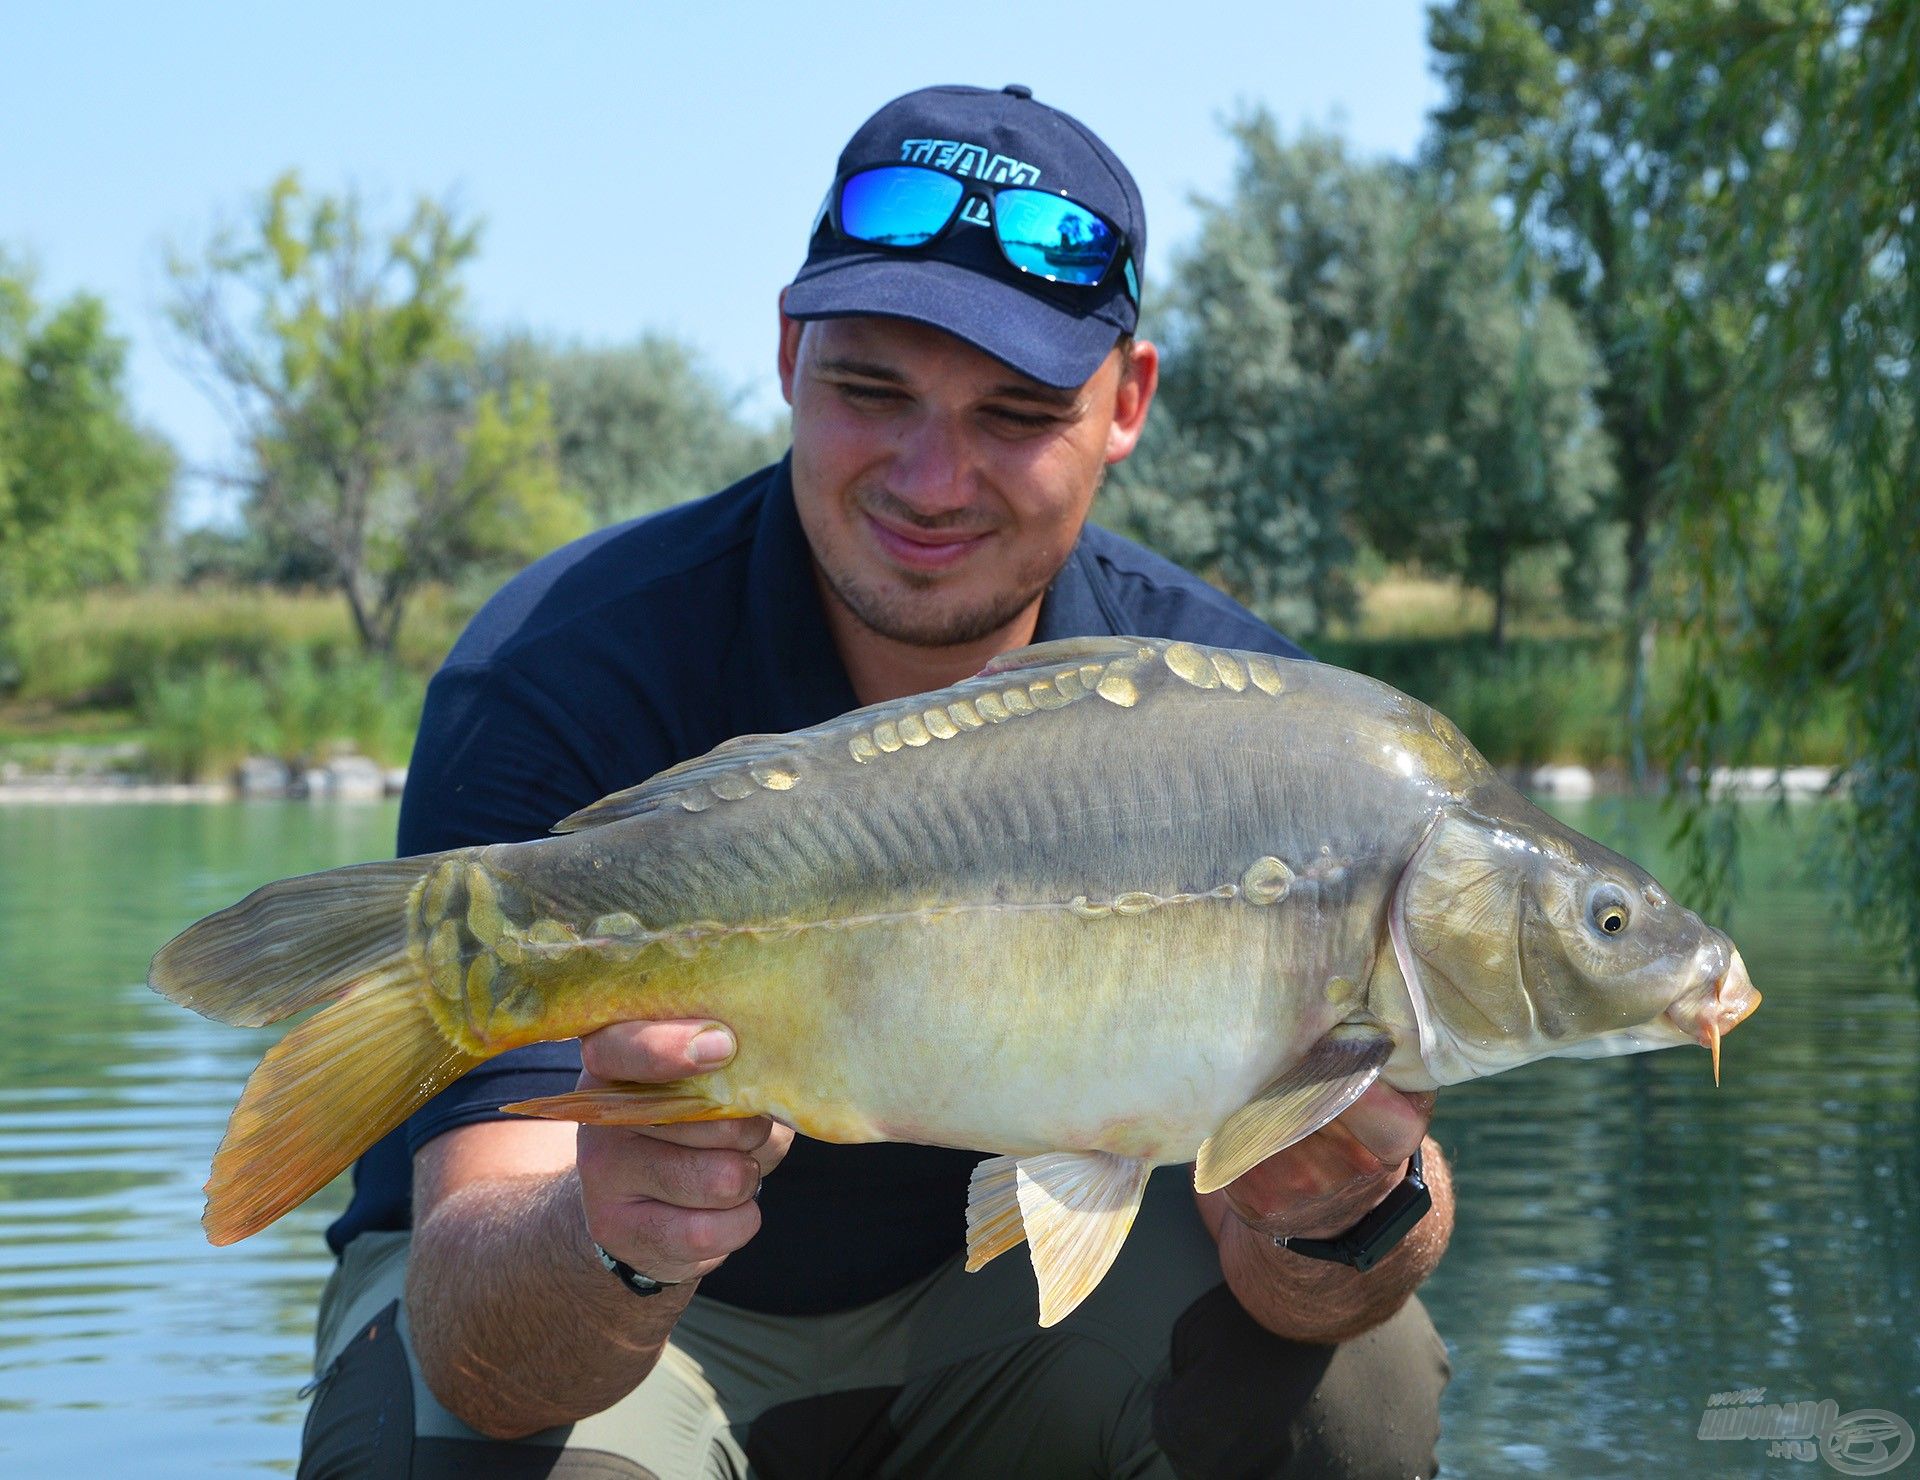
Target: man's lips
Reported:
[(923, 549)]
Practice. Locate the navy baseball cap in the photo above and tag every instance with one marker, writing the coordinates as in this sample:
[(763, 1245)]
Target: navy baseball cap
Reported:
[(1055, 333)]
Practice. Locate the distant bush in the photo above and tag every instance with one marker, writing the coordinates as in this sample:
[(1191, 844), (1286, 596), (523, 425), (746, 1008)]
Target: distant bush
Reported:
[(352, 703), (1536, 700), (201, 723), (217, 672)]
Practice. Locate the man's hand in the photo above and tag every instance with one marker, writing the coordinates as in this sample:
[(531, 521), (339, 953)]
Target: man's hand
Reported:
[(516, 1325), (1325, 1184), (671, 1200), (1320, 1187)]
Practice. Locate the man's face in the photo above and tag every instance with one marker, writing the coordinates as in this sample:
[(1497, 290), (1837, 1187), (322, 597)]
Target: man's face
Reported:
[(940, 490)]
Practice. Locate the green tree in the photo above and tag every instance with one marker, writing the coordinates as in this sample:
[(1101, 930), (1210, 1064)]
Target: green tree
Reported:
[(1478, 440), (82, 487), (1751, 170), (1543, 94), (637, 427), (372, 448), (1798, 536), (1353, 358), (1264, 324)]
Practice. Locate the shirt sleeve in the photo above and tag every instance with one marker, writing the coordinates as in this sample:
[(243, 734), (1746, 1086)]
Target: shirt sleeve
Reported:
[(497, 760)]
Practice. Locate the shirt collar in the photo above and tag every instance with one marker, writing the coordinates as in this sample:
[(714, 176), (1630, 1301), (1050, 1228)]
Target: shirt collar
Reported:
[(1073, 606)]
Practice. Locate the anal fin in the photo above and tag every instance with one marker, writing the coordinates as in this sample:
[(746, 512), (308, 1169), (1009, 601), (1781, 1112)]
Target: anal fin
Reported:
[(1334, 1073), (1077, 1208), (629, 1104)]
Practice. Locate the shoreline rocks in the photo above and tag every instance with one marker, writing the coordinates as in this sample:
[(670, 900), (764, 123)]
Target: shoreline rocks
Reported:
[(344, 778), (359, 778), (1579, 783)]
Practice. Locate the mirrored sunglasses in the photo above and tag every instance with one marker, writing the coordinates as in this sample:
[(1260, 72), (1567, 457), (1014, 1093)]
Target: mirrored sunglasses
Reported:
[(904, 207)]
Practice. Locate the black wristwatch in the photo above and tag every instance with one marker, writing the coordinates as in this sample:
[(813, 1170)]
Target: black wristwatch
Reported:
[(635, 1281), (1367, 1242)]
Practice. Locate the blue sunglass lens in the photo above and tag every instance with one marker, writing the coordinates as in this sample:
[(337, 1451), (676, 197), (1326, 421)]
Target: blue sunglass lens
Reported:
[(1051, 236), (898, 206)]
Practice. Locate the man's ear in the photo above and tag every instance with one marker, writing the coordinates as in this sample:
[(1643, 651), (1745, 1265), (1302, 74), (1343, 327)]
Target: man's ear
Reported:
[(1139, 379), (790, 332)]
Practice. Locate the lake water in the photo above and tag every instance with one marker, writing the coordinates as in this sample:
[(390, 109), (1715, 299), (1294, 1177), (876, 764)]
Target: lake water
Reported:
[(1630, 1240)]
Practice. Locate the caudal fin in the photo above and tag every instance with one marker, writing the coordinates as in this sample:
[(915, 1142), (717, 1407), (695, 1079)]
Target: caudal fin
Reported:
[(346, 1076), (291, 943), (324, 1094)]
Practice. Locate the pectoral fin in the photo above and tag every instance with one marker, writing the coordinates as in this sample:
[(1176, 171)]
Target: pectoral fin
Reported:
[(629, 1104), (1075, 1207), (1335, 1072)]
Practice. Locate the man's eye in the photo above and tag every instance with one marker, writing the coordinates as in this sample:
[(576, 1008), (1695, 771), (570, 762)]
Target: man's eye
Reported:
[(1023, 420), (872, 394)]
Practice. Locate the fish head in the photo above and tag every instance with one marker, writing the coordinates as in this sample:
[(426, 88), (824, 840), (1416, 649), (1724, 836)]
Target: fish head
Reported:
[(1521, 939)]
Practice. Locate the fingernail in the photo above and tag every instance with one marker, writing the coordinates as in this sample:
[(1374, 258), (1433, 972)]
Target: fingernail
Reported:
[(714, 1046)]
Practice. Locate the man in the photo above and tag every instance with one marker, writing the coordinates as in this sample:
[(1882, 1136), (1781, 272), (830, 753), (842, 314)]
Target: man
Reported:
[(701, 1299)]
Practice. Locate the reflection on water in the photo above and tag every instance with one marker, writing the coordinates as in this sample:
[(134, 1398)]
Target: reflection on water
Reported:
[(1630, 1240), (128, 1346)]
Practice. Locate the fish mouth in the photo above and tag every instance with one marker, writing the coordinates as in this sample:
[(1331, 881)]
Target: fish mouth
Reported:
[(1710, 1016)]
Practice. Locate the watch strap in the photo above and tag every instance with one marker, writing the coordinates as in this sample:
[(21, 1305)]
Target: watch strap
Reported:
[(1368, 1241), (635, 1281)]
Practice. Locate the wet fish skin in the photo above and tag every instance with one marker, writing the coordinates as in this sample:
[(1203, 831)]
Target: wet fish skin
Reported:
[(1113, 903)]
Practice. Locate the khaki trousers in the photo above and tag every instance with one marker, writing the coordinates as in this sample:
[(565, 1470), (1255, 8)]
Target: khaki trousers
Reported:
[(1160, 1373)]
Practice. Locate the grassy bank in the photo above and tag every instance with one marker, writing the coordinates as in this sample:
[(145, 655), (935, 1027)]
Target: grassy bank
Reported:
[(95, 654), (199, 679)]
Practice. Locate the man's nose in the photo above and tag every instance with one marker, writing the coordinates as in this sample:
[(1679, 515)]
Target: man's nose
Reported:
[(931, 468)]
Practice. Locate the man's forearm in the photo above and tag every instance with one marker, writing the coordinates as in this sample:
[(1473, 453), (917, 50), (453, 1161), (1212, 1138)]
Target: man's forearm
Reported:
[(1312, 1300), (516, 1325)]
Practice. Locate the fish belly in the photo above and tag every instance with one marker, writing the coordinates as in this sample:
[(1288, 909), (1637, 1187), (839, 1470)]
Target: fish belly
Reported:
[(1005, 1028)]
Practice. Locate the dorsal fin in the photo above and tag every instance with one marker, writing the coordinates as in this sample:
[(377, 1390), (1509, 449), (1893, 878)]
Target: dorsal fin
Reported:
[(736, 757), (1068, 650)]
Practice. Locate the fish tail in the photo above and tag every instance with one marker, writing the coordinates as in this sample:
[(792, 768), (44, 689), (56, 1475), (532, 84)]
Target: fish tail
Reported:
[(293, 943), (348, 1074), (324, 1094)]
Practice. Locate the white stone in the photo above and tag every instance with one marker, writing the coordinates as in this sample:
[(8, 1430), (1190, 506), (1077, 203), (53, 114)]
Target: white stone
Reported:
[(1572, 782), (263, 776), (355, 778), (1797, 782), (1806, 780)]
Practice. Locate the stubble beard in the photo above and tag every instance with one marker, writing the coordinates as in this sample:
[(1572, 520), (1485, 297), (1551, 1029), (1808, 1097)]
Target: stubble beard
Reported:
[(908, 617)]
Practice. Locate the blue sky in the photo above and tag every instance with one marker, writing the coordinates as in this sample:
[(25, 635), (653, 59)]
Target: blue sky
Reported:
[(591, 136)]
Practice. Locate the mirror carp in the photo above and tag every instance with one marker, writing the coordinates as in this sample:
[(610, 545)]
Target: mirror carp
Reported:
[(1110, 904)]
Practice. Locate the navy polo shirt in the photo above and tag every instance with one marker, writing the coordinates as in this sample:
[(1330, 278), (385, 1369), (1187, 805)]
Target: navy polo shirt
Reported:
[(641, 646)]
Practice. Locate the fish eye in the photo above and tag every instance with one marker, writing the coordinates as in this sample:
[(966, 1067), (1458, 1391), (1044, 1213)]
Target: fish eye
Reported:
[(1607, 909)]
